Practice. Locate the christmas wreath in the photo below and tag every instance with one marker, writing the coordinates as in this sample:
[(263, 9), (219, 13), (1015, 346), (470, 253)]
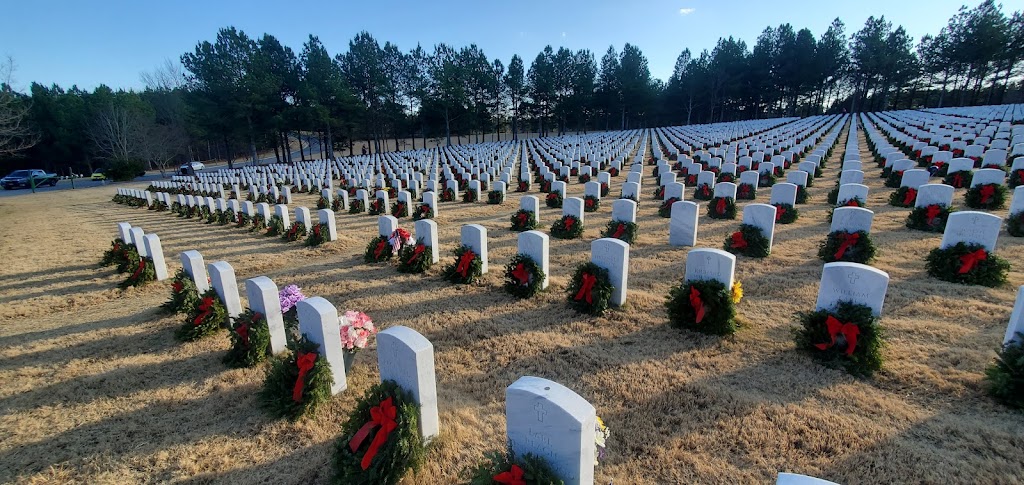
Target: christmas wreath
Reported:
[(545, 186), (448, 195), (853, 247), (584, 178), (261, 198), (415, 258), (748, 241), (143, 271), (1016, 178), (1015, 224), (605, 190), (319, 235), (243, 220), (423, 211), (184, 295), (960, 179), (703, 192), (969, 264), (665, 210), (614, 172), (801, 193), (765, 179), (659, 193), (391, 415), (208, 315), (1005, 376), (931, 218), (470, 195), (507, 468), (322, 203), (495, 197), (622, 230), (117, 255), (986, 196), (706, 306), (854, 202), (591, 203), (691, 179), (727, 177), (226, 217), (275, 226), (377, 207), (336, 204), (212, 216), (400, 209), (466, 268), (786, 213), (297, 384), (903, 197), (296, 231), (746, 192), (250, 340), (378, 250), (721, 208), (833, 195), (523, 186), (848, 337), (590, 289), (357, 206), (259, 223), (568, 227), (524, 220), (553, 200), (523, 276), (894, 179)]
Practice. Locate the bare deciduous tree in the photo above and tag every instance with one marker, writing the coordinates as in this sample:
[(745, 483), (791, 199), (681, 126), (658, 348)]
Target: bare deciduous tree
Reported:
[(116, 132), (161, 144), (165, 77), (15, 134)]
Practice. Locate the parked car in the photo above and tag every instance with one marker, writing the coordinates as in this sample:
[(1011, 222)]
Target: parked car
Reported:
[(98, 174), (185, 167), (23, 179)]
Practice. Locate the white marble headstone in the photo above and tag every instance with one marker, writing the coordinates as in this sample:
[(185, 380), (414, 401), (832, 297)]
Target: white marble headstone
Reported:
[(475, 236), (263, 298), (318, 321), (535, 244), (704, 264), (407, 358), (222, 275), (683, 219), (972, 227), (854, 282), (193, 264)]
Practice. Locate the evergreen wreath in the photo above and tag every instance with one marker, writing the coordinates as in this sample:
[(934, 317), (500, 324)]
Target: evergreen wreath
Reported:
[(507, 468), (605, 189), (894, 179), (959, 179), (261, 198), (931, 218), (705, 306), (622, 230), (746, 192), (357, 206), (116, 255), (614, 172), (320, 234), (969, 264), (801, 193), (208, 316), (142, 271), (296, 231), (1015, 224), (212, 216), (378, 250), (250, 340), (691, 179), (299, 383), (704, 192), (275, 227), (336, 204), (495, 197), (243, 220), (322, 203), (748, 241), (1005, 375), (553, 200), (659, 193), (470, 195), (852, 247), (391, 415), (665, 210), (786, 213), (415, 258), (848, 337), (400, 209), (524, 220), (727, 177), (377, 207), (986, 196), (523, 276), (721, 208), (833, 195), (184, 295), (226, 217), (903, 197), (1016, 178), (545, 186), (590, 289), (466, 268), (523, 186), (591, 203), (568, 227), (423, 211), (448, 195), (854, 202), (766, 179), (259, 223), (584, 178)]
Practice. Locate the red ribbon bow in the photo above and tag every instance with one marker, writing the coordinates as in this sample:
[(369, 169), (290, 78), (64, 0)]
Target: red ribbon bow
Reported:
[(305, 363), (779, 211), (522, 218), (852, 203), (142, 265), (512, 477), (379, 249), (521, 274), (619, 231), (849, 239), (958, 181), (205, 309), (589, 203), (384, 416), (987, 191), (1020, 175), (836, 328), (177, 287), (464, 262), (243, 333), (909, 197), (738, 242), (968, 260), (697, 303), (932, 212), (720, 206), (569, 221), (417, 252), (586, 288)]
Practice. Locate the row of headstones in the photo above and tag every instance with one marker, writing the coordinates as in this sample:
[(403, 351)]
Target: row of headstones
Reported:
[(985, 139), (734, 150), (994, 155), (147, 245)]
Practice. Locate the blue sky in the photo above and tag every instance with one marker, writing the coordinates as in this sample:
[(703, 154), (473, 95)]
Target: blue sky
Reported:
[(112, 42)]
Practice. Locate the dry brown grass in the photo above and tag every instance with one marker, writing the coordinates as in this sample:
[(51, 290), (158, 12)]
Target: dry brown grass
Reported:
[(96, 389)]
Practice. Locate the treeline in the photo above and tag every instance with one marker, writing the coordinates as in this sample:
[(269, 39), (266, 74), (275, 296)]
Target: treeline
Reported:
[(236, 95)]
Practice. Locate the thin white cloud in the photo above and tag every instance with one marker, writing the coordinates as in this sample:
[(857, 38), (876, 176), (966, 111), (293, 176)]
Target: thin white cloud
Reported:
[(563, 35), (686, 11)]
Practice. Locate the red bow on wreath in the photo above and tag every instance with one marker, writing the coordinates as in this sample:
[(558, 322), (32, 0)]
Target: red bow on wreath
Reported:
[(177, 287), (569, 221), (835, 328), (852, 203), (379, 249), (304, 361), (417, 252), (586, 289), (987, 191), (243, 333), (720, 206), (520, 274), (619, 230), (1020, 175), (512, 477), (464, 263), (384, 416), (849, 239), (697, 303), (779, 211), (958, 180), (142, 265), (745, 189), (969, 260), (738, 242), (932, 212), (205, 309), (909, 196), (589, 203), (522, 218)]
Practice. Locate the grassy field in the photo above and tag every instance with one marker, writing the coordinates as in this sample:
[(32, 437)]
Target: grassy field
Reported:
[(97, 390)]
